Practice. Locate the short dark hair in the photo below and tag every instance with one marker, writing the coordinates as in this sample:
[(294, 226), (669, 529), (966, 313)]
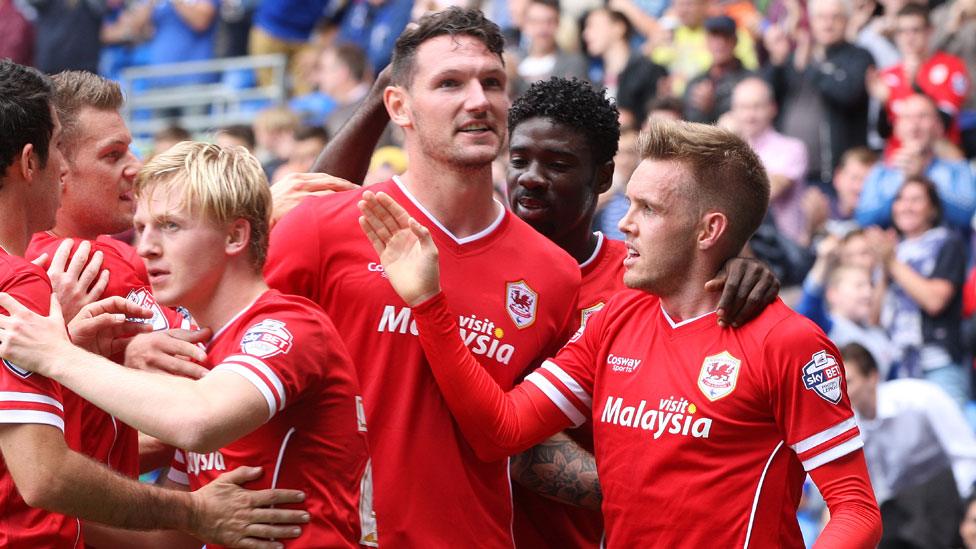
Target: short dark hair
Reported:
[(576, 104), (240, 131), (857, 355), (727, 174), (311, 132), (454, 22), (861, 155), (26, 98), (173, 133), (78, 90), (931, 191), (355, 59), (912, 9)]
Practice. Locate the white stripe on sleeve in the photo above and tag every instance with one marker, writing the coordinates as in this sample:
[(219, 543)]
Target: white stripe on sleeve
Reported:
[(255, 380), (824, 436), (838, 451), (256, 363), (557, 398), (569, 382), (32, 416), (178, 477), (15, 396)]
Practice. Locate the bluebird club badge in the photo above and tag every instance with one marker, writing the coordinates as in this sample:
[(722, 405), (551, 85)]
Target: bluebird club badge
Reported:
[(521, 303), (822, 375), (718, 375)]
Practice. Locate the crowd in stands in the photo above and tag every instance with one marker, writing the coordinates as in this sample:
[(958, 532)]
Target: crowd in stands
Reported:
[(863, 114)]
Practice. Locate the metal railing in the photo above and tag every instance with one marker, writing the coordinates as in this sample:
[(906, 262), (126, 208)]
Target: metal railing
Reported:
[(201, 107)]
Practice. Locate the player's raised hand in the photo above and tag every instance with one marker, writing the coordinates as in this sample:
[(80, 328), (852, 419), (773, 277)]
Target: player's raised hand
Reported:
[(227, 514), (23, 332), (405, 247), (170, 351), (106, 326), (77, 279), (747, 286)]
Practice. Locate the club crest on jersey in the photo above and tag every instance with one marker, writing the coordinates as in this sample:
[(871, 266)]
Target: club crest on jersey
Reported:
[(718, 375), (521, 303), (20, 372), (822, 375), (586, 313), (144, 298), (267, 339)]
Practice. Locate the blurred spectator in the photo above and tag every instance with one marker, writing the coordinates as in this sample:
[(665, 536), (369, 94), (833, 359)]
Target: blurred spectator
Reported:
[(709, 94), (67, 34), (284, 26), (345, 77), (374, 26), (182, 30), (165, 138), (922, 310), (939, 75), (630, 78), (954, 32), (663, 108), (309, 142), (16, 35), (920, 452), (820, 87), (687, 54), (876, 33), (785, 158), (835, 214), (542, 58), (234, 22), (274, 132), (918, 127), (612, 205), (385, 163), (237, 135)]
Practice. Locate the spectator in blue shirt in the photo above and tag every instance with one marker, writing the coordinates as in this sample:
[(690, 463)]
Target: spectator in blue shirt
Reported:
[(374, 26)]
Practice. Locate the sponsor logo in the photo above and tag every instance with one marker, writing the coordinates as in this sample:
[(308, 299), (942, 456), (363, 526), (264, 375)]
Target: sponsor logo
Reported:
[(586, 313), (480, 334), (20, 372), (267, 339), (622, 364), (822, 375), (197, 463), (144, 298), (718, 375), (374, 267), (673, 416), (521, 303)]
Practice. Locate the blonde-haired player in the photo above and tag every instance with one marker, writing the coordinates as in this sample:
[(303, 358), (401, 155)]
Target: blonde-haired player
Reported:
[(281, 393)]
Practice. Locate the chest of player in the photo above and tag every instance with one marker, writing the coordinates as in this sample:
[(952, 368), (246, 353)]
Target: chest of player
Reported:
[(506, 316)]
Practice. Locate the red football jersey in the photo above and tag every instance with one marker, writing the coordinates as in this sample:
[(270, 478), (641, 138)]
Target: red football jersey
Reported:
[(515, 295), (943, 77), (103, 437), (703, 434), (315, 437), (30, 398), (540, 521)]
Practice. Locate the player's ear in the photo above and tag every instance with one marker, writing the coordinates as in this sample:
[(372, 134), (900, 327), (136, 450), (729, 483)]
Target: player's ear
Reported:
[(29, 163), (713, 226), (238, 237), (397, 102), (604, 177)]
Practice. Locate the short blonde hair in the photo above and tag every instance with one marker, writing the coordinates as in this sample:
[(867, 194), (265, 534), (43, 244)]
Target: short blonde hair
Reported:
[(221, 183), (727, 174)]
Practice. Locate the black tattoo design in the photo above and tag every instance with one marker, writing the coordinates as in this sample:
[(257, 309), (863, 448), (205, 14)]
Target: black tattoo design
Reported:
[(561, 470)]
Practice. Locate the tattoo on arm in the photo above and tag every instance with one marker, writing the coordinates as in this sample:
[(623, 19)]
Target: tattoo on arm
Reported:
[(561, 470)]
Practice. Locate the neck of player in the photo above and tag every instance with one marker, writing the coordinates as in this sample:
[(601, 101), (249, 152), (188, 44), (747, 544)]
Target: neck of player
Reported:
[(15, 227), (579, 242), (65, 228), (688, 298), (236, 290), (462, 201)]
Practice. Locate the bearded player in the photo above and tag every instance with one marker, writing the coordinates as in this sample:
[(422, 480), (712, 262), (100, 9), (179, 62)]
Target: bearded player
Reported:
[(703, 433), (281, 391)]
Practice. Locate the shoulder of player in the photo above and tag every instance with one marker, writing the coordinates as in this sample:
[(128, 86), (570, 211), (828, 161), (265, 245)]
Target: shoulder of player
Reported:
[(18, 272), (536, 251), (626, 305), (778, 326), (295, 315)]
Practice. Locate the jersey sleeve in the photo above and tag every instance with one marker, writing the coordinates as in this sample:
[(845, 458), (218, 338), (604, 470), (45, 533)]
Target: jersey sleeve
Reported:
[(279, 353), (568, 378), (26, 397), (808, 393), (293, 264), (177, 469)]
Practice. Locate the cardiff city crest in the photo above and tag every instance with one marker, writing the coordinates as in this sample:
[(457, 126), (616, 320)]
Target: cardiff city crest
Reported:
[(521, 303), (267, 339), (822, 375), (144, 298), (718, 375)]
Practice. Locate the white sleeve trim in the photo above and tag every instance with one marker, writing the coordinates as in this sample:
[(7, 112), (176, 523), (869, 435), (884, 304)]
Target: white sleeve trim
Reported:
[(569, 382), (258, 383), (557, 398), (279, 387), (32, 416), (14, 396), (178, 457), (838, 451), (824, 436), (178, 477)]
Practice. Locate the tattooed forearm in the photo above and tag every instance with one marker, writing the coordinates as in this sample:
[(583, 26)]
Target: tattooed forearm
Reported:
[(559, 469)]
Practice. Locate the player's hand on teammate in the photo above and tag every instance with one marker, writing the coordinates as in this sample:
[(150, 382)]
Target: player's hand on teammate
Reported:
[(295, 187), (747, 287), (405, 247), (170, 351), (78, 280), (106, 327), (227, 514)]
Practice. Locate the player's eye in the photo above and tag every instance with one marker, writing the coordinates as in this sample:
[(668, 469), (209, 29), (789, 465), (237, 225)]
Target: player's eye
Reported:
[(448, 83), (518, 162), (492, 83)]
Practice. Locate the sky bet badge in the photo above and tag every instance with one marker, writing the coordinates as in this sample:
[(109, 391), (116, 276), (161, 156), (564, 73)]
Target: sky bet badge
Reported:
[(266, 339), (822, 375)]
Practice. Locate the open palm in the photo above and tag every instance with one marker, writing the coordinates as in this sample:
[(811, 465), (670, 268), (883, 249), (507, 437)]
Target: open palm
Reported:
[(405, 247)]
